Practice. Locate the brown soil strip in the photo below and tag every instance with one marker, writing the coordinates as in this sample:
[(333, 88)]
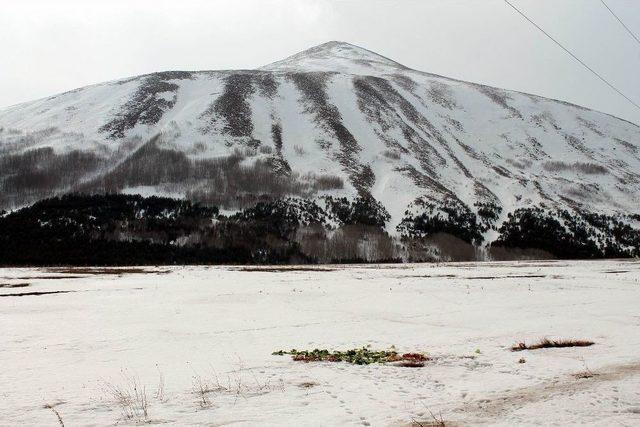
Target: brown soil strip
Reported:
[(48, 277), (524, 276), (104, 270), (34, 294), (281, 269), (427, 276), (14, 285)]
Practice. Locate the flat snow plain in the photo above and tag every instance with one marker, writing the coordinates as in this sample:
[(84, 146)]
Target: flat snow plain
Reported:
[(197, 341)]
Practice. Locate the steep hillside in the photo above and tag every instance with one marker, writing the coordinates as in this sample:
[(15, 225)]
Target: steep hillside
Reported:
[(334, 120)]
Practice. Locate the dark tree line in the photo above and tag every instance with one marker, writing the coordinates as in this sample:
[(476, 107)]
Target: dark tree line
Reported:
[(450, 217), (133, 230), (568, 235), (107, 230)]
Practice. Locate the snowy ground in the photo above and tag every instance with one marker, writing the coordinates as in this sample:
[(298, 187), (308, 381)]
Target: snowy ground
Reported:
[(175, 331)]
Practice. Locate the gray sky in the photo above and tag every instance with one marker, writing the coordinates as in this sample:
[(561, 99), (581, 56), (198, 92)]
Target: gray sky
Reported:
[(51, 46)]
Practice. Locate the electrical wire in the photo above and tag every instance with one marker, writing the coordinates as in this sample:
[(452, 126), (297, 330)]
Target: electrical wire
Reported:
[(574, 56), (620, 21)]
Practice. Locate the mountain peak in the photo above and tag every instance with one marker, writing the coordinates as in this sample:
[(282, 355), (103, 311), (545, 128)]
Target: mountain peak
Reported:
[(337, 56)]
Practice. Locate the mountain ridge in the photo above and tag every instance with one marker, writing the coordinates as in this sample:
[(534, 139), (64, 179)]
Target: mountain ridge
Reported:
[(335, 119), (267, 67)]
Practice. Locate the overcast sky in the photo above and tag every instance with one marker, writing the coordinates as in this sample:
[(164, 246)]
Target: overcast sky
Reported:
[(52, 46)]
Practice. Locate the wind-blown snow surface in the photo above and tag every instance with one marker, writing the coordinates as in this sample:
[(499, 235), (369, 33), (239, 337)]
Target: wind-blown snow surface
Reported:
[(189, 326), (340, 110)]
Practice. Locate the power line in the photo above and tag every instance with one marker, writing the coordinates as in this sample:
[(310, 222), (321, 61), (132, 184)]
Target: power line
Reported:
[(573, 56), (620, 21)]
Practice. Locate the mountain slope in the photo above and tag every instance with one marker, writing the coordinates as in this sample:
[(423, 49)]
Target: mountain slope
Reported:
[(335, 119)]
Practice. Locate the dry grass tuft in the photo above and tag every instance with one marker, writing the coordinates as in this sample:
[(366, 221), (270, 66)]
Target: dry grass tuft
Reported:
[(57, 414), (131, 398), (307, 384), (436, 421), (547, 343), (586, 374), (202, 389), (412, 360), (159, 394), (240, 383)]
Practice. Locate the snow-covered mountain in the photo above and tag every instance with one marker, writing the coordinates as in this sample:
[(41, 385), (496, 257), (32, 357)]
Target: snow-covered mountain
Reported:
[(335, 119)]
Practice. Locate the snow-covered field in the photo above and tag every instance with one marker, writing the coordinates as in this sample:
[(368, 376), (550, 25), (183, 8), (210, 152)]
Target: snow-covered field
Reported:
[(197, 342)]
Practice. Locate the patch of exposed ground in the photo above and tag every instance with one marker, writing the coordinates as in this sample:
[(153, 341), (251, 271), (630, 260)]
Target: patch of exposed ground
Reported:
[(34, 294), (282, 269), (48, 277), (148, 103), (14, 285), (515, 276), (315, 97), (498, 405), (103, 270)]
